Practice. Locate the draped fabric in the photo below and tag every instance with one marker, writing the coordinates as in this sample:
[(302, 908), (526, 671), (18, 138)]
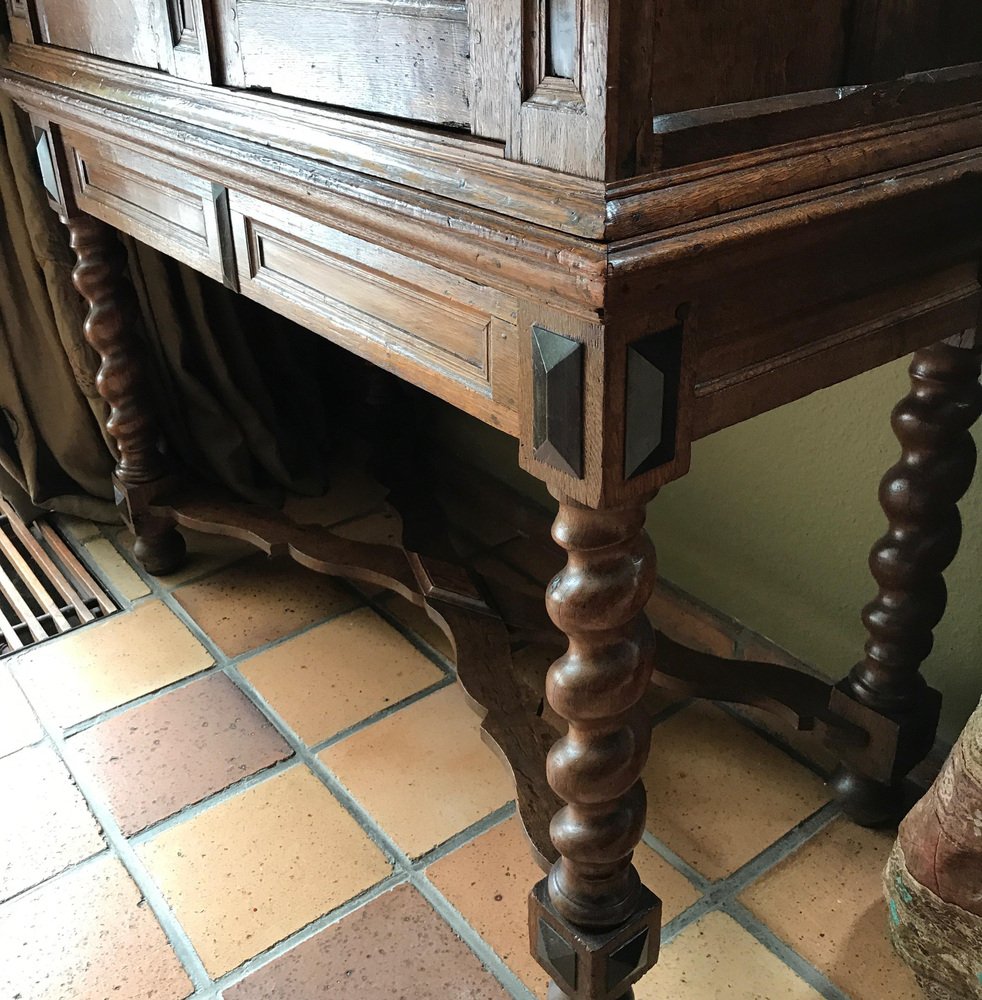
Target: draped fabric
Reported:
[(241, 394)]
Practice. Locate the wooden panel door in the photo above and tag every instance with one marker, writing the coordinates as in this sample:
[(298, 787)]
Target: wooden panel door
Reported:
[(166, 35), (402, 58)]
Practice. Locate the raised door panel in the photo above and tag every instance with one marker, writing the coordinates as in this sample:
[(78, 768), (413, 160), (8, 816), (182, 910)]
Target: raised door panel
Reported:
[(166, 35), (402, 58)]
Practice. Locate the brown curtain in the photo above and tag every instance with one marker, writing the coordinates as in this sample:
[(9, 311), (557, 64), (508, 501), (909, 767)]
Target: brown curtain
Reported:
[(241, 394)]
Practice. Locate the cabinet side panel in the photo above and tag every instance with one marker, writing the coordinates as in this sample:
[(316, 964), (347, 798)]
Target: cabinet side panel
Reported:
[(721, 52)]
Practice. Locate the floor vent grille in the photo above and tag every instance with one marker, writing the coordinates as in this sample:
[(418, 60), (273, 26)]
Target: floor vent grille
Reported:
[(45, 590)]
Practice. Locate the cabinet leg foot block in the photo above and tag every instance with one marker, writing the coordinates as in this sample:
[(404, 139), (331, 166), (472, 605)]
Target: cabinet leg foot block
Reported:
[(594, 965)]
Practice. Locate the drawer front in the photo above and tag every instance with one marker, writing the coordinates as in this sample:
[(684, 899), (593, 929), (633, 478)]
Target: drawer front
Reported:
[(165, 207), (446, 334)]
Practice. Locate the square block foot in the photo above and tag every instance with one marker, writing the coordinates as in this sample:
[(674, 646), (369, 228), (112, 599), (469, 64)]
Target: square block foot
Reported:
[(587, 965)]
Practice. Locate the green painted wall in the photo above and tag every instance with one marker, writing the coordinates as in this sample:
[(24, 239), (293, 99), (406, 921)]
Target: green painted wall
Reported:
[(774, 523)]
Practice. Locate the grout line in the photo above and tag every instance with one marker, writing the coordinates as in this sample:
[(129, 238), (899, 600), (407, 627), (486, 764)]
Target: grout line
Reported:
[(481, 948), (379, 604), (777, 852), (805, 970), (719, 896), (381, 714), (669, 711), (402, 863), (676, 861), (501, 815), (122, 850), (305, 933), (195, 809), (110, 713)]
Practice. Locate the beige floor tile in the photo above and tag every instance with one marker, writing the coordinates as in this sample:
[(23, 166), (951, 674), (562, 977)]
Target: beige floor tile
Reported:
[(87, 936), (424, 773), (179, 748), (394, 948), (78, 528), (110, 663), (488, 881), (826, 901), (18, 724), (248, 872), (114, 568), (45, 825), (719, 794), (258, 600), (339, 673), (716, 959)]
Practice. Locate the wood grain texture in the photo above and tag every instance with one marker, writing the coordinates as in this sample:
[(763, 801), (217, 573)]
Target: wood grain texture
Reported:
[(121, 381), (155, 34), (920, 497), (454, 337), (131, 31), (405, 58), (888, 38), (168, 208), (598, 601), (717, 52)]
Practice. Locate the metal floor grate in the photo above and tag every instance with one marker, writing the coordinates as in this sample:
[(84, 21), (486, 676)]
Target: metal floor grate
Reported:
[(44, 588)]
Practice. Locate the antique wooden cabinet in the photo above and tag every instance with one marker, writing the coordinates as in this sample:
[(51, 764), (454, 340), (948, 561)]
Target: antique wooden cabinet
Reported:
[(608, 228)]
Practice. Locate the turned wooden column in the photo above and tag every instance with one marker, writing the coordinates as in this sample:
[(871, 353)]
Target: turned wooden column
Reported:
[(594, 926), (920, 497), (100, 278)]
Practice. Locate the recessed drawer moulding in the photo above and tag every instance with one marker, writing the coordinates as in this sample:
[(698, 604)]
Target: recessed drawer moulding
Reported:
[(164, 206), (453, 336)]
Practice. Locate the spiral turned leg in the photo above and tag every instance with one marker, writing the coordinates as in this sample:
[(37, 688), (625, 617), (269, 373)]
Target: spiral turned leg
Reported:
[(920, 496), (100, 279), (594, 926)]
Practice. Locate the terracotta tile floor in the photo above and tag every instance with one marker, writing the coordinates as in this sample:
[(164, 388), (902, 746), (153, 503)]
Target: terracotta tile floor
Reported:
[(258, 783)]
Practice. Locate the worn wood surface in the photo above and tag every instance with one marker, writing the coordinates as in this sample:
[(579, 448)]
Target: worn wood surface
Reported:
[(405, 59), (920, 497), (596, 686), (678, 182), (121, 381)]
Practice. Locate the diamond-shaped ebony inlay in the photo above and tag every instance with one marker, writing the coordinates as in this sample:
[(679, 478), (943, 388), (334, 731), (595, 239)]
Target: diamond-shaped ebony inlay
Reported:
[(654, 367), (557, 388), (556, 956), (627, 960)]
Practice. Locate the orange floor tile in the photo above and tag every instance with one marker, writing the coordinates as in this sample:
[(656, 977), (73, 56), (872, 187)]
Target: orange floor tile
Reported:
[(258, 783)]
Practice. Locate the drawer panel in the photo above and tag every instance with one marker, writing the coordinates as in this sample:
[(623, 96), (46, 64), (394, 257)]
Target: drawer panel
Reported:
[(451, 336), (165, 207)]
